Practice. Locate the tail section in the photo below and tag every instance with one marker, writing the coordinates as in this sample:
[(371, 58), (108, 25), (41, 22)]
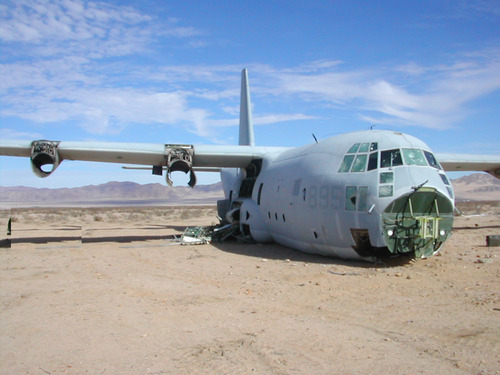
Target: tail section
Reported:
[(246, 124)]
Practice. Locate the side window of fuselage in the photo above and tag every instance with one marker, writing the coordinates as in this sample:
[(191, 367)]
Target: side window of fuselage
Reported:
[(356, 198), (363, 198), (350, 198)]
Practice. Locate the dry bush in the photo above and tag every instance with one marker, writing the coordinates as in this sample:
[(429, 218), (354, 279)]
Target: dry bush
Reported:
[(185, 214)]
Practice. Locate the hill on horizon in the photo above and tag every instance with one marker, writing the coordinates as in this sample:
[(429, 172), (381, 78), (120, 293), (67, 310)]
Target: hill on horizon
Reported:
[(112, 193), (475, 187)]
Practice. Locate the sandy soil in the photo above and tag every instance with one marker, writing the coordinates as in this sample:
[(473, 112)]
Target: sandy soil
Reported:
[(150, 306)]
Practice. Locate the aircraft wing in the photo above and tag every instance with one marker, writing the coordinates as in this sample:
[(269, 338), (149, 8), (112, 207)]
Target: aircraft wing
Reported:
[(459, 162), (173, 157)]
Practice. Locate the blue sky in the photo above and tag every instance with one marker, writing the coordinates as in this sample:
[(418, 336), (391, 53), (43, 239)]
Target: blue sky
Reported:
[(169, 72)]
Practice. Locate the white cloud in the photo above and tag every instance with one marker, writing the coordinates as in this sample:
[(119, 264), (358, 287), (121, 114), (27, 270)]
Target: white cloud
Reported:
[(412, 69), (41, 20), (59, 73), (276, 118), (69, 65), (108, 111), (16, 134), (438, 99), (65, 89), (84, 28), (260, 120)]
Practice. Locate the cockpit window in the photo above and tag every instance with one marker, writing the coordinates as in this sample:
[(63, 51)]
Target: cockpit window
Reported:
[(357, 157), (373, 161), (361, 154), (390, 158), (346, 163), (359, 163), (432, 160), (413, 156), (445, 179), (353, 149), (364, 147)]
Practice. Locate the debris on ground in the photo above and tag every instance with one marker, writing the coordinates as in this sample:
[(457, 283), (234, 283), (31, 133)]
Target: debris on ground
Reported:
[(213, 233), (197, 235)]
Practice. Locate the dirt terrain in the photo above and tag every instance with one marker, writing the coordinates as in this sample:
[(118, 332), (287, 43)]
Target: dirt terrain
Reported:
[(107, 291)]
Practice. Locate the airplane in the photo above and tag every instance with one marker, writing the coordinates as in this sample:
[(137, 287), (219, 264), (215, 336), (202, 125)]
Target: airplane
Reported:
[(363, 195)]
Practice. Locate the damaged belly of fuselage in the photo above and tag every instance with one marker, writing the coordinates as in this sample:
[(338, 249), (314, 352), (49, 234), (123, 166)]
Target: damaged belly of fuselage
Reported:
[(415, 225)]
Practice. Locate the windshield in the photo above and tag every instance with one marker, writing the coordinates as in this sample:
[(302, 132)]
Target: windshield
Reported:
[(413, 156), (390, 158), (361, 154)]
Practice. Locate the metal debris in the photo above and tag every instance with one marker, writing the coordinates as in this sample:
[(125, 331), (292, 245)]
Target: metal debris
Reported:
[(492, 241), (197, 236), (213, 233), (344, 273), (225, 232)]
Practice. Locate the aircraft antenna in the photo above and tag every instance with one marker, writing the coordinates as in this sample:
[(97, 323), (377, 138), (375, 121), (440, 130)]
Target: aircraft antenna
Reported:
[(316, 139)]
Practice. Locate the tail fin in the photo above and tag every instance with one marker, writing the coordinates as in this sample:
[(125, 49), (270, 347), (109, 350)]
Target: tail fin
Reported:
[(246, 124)]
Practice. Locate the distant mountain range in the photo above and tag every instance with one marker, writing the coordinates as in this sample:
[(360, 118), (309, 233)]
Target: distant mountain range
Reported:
[(111, 194), (478, 186)]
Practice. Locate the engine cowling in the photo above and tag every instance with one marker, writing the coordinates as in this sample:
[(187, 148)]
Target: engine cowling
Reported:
[(44, 153), (180, 158)]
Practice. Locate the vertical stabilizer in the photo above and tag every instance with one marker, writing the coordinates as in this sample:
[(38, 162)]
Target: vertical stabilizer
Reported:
[(246, 124)]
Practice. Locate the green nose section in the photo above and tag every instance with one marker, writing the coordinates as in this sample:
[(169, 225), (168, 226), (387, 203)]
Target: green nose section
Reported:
[(418, 222)]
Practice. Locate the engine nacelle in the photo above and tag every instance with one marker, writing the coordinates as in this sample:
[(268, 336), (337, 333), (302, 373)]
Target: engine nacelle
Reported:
[(180, 158), (44, 153)]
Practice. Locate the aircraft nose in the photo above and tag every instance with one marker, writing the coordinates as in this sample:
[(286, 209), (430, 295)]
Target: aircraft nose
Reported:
[(418, 222)]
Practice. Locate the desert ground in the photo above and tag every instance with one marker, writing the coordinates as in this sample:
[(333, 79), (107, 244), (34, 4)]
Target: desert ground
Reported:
[(108, 291)]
